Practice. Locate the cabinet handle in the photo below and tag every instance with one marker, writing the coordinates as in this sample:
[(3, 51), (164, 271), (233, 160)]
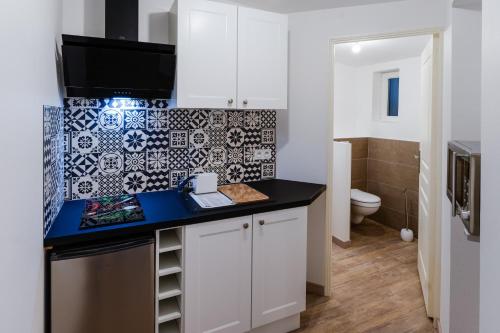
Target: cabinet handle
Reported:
[(230, 101), (245, 226), (245, 102), (262, 222)]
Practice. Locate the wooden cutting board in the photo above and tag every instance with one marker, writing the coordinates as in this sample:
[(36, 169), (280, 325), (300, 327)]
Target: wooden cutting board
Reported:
[(241, 193)]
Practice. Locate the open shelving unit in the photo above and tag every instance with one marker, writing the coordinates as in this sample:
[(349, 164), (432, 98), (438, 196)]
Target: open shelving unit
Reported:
[(169, 286)]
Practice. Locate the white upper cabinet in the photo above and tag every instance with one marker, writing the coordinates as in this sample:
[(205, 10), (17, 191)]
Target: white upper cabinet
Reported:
[(279, 265), (206, 54), (218, 263), (230, 57), (262, 59)]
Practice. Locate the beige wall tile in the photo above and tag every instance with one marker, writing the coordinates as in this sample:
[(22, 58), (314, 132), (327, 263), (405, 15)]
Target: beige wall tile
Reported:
[(359, 184), (395, 151), (359, 169), (385, 168), (394, 219), (393, 197), (397, 175), (359, 147)]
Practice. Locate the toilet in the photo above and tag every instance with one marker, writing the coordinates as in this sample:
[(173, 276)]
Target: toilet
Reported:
[(363, 204)]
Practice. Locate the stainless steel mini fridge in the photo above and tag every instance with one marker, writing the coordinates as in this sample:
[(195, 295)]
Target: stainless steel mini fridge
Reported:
[(103, 288)]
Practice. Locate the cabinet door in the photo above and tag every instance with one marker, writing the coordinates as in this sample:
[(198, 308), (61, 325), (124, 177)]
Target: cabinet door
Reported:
[(262, 59), (218, 276), (279, 265), (206, 54)]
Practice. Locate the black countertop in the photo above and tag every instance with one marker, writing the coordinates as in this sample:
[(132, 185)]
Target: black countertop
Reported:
[(168, 209)]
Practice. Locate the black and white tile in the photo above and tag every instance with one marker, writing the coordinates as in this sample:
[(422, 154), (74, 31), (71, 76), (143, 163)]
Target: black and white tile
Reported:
[(84, 142), (84, 187), (157, 119), (235, 137), (253, 137), (198, 138), (135, 182), (235, 173), (178, 158), (199, 157), (218, 118), (177, 175), (134, 162), (110, 119), (252, 172), (133, 145), (53, 164), (179, 138), (157, 181), (157, 161), (110, 141), (268, 136), (199, 119), (268, 170), (217, 156), (135, 119), (110, 184)]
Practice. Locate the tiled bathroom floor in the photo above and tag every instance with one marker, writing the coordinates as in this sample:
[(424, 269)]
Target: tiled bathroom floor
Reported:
[(376, 287)]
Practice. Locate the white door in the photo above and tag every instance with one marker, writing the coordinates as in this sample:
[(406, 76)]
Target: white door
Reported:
[(206, 54), (218, 276), (262, 59), (279, 265), (427, 217)]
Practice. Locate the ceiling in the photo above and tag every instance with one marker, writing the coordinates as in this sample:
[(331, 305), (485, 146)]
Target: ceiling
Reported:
[(382, 50), (291, 6)]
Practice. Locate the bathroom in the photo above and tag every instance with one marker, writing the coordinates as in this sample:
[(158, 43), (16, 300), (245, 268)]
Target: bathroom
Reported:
[(382, 95), (377, 104)]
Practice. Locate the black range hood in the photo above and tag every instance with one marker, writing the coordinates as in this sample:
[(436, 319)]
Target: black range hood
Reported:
[(118, 65)]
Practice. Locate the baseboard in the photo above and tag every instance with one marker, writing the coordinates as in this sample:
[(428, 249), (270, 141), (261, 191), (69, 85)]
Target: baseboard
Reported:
[(316, 289), (341, 243)]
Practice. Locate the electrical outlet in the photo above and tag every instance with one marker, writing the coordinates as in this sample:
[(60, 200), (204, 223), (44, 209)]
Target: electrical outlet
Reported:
[(267, 154), (262, 154), (258, 155)]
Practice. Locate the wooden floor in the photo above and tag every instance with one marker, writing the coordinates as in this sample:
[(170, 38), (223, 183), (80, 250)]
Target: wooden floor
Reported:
[(376, 287)]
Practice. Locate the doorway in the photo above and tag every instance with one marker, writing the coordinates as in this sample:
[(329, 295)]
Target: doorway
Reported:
[(382, 113)]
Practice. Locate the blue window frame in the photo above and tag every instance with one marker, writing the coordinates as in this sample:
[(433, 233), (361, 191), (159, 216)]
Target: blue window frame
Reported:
[(393, 97)]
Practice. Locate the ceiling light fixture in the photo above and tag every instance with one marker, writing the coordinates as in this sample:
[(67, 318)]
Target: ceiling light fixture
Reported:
[(356, 48)]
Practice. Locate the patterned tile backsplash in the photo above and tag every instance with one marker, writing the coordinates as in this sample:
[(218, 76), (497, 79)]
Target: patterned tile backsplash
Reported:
[(53, 168), (114, 146)]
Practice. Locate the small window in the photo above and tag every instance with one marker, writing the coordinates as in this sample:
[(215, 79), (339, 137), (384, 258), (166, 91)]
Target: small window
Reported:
[(393, 97), (386, 95)]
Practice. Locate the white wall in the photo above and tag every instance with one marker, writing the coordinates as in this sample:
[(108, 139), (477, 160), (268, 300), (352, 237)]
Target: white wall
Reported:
[(445, 203), (28, 31), (465, 125), (316, 241), (341, 197), (302, 130), (466, 74), (461, 120), (353, 101), (490, 145), (87, 17), (347, 123)]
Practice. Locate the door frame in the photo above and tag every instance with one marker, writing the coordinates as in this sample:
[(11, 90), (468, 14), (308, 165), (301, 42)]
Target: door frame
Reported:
[(437, 128)]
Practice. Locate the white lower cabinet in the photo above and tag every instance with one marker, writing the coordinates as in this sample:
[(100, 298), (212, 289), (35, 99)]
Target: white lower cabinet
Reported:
[(245, 273), (218, 276), (279, 265)]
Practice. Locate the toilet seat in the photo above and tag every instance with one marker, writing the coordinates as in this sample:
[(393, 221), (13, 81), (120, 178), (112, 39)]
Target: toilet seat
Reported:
[(364, 199)]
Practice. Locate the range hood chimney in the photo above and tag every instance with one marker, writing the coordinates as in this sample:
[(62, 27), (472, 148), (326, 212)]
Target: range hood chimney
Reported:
[(118, 65), (122, 19)]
